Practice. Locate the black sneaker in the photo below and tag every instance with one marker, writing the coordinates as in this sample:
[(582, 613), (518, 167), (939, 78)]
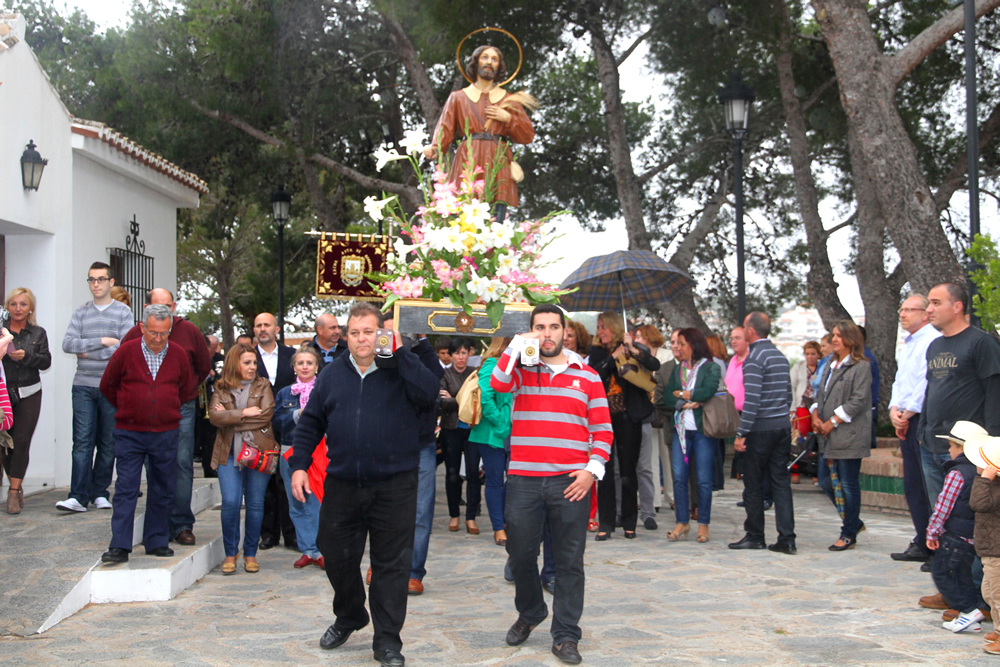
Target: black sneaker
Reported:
[(926, 567), (914, 552), (649, 523), (508, 574)]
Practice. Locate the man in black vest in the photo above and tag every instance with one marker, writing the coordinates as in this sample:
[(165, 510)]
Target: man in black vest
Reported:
[(274, 362)]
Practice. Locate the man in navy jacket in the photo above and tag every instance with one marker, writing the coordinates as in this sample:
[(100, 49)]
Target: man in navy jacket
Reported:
[(368, 408)]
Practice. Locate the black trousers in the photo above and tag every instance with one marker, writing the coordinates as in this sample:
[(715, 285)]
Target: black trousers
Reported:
[(455, 443), (766, 458), (628, 440), (15, 461), (530, 501), (386, 512), (277, 523), (913, 481)]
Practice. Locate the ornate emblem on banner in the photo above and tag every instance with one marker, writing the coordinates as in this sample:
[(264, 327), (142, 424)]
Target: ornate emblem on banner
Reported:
[(353, 269), (343, 260)]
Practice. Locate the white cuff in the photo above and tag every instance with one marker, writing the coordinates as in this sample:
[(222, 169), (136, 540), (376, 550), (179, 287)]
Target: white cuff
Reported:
[(842, 414), (813, 408), (515, 347), (595, 467)]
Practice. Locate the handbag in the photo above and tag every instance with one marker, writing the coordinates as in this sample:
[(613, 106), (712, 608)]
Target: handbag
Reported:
[(470, 400), (255, 459), (719, 417), (635, 374)]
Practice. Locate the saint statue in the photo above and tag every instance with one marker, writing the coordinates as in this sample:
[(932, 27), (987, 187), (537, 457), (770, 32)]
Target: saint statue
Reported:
[(493, 119)]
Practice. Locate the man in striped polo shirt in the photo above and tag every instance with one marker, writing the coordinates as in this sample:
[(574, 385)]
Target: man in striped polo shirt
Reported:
[(559, 408), (765, 434)]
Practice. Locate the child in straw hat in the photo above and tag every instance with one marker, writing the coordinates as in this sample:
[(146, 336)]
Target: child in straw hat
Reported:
[(984, 452)]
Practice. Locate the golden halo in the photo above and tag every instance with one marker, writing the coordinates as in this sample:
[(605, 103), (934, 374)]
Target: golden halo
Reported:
[(520, 54)]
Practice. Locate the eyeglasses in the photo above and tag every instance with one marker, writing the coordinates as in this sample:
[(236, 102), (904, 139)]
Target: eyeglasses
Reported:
[(157, 334), (102, 279), (911, 310)]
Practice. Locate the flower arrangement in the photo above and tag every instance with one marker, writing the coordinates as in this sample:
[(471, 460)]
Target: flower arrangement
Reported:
[(458, 251)]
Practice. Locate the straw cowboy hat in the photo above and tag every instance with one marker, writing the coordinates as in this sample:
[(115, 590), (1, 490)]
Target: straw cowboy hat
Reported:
[(962, 431), (983, 451)]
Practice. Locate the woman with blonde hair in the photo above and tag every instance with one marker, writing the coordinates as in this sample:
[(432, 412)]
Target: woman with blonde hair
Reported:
[(121, 294), (629, 405), (841, 418), (577, 338), (491, 435), (241, 410), (27, 354)]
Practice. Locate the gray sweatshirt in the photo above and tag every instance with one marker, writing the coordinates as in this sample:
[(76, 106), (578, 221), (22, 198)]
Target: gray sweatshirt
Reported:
[(86, 329)]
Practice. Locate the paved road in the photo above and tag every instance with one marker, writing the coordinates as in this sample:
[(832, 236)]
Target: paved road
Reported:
[(648, 601)]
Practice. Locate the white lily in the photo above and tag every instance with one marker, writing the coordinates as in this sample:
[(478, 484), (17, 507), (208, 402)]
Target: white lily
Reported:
[(477, 285), (373, 207), (382, 156), (492, 291), (502, 235), (477, 212), (413, 141), (506, 263)]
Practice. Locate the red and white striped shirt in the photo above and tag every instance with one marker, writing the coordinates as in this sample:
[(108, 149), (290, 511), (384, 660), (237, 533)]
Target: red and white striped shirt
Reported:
[(8, 412), (555, 416)]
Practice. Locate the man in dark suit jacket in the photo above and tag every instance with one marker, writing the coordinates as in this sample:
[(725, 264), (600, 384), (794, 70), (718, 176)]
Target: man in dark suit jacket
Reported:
[(274, 362)]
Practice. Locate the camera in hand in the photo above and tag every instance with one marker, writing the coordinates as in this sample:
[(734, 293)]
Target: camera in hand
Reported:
[(529, 355), (383, 342)]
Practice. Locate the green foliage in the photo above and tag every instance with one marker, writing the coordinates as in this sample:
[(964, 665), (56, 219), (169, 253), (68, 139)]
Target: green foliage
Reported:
[(986, 304)]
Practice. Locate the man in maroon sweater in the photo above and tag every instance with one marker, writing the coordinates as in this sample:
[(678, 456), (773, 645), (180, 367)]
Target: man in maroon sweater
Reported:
[(188, 337), (145, 380)]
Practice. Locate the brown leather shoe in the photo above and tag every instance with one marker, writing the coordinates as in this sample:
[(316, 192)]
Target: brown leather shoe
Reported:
[(185, 537), (992, 648), (416, 587), (991, 637), (13, 506), (368, 577), (567, 652), (935, 601), (519, 632)]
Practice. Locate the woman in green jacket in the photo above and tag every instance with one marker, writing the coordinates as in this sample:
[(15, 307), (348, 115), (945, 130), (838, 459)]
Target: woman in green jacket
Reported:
[(694, 381), (491, 434)]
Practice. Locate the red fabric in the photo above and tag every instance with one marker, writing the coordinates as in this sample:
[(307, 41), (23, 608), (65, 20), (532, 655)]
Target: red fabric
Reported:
[(593, 501), (189, 338), (317, 469), (575, 393), (145, 404), (8, 412), (803, 421)]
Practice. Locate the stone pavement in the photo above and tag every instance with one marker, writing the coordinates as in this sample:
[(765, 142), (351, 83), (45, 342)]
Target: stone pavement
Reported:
[(648, 601)]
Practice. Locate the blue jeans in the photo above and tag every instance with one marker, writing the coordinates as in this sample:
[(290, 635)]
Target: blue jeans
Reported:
[(93, 427), (425, 509), (495, 464), (182, 518), (933, 465), (239, 485), (952, 573), (702, 449), (305, 516), (849, 472)]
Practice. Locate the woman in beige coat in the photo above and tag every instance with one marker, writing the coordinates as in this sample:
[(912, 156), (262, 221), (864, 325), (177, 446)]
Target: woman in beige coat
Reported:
[(241, 410), (841, 418)]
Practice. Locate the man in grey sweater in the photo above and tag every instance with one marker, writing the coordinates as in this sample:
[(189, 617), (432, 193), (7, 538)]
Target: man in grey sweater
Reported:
[(93, 335), (765, 435)]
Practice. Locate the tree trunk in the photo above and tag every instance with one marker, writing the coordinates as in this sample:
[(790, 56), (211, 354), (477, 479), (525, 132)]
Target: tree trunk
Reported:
[(422, 85), (867, 84), (881, 299), (223, 289), (323, 208), (820, 281), (629, 191)]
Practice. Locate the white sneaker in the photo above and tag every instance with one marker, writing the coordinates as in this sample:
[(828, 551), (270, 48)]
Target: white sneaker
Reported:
[(964, 622), (102, 504), (70, 505)]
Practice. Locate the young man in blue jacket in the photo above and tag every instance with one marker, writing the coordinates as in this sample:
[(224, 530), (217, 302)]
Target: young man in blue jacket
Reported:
[(368, 408)]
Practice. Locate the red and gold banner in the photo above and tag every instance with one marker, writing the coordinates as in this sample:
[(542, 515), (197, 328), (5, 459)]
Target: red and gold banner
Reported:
[(342, 260)]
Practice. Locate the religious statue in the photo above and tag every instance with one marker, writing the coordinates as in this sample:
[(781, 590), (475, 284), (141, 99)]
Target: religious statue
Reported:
[(493, 119)]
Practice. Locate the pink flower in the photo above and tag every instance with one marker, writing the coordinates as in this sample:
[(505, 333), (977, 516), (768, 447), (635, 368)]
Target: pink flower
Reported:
[(439, 176)]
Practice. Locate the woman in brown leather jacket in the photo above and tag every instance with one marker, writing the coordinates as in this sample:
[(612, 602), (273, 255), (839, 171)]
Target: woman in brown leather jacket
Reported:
[(241, 410)]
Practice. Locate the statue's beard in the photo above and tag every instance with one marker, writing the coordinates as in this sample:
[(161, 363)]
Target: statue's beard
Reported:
[(487, 72)]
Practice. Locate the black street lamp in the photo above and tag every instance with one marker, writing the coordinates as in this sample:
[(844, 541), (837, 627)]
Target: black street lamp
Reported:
[(972, 134), (737, 98), (281, 204), (32, 166)]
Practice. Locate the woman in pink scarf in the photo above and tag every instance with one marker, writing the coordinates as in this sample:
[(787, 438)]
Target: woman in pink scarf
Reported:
[(288, 405)]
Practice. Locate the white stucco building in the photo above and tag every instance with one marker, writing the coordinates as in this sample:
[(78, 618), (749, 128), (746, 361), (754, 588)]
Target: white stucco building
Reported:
[(101, 198)]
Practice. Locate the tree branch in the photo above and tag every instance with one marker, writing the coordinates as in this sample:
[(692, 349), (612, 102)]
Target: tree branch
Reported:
[(638, 40), (818, 92), (836, 228), (646, 176), (685, 252), (911, 55), (957, 176), (874, 11), (410, 194)]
